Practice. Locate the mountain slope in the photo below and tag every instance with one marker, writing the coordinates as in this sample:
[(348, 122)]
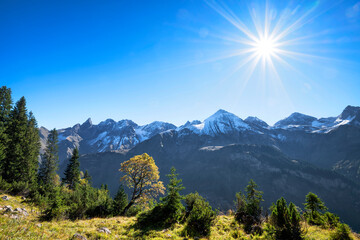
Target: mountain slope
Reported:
[(218, 172)]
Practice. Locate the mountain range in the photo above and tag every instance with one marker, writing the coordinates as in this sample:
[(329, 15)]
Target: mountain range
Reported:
[(218, 156)]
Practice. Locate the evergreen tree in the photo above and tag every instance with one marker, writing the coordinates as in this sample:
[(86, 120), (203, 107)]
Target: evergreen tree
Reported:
[(172, 206), (32, 149), (72, 172), (254, 198), (87, 177), (170, 209), (120, 201), (314, 207), (16, 161), (5, 108), (286, 220), (248, 210), (49, 165)]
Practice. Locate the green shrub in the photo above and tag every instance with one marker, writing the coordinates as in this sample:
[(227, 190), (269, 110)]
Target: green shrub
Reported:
[(4, 185), (342, 233), (20, 188), (200, 219), (331, 220)]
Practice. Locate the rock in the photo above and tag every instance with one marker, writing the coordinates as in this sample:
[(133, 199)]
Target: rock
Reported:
[(5, 198), (14, 216), (22, 211), (79, 236), (168, 235), (8, 209), (23, 198), (39, 225), (104, 230)]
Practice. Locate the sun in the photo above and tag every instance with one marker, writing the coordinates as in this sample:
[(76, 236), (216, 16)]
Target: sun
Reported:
[(265, 47)]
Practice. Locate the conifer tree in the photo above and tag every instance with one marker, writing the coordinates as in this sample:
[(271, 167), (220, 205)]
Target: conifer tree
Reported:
[(286, 220), (32, 149), (16, 161), (172, 206), (314, 207), (5, 108), (49, 165), (120, 201), (87, 177), (72, 172)]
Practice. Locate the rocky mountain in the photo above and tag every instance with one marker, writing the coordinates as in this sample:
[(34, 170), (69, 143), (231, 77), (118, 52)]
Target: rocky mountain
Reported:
[(108, 135), (218, 156), (325, 142)]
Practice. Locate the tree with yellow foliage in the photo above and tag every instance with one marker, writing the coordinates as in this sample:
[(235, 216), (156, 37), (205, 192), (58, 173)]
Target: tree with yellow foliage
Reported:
[(142, 175)]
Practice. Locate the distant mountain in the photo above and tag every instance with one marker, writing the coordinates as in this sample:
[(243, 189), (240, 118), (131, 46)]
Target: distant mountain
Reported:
[(218, 156), (324, 142)]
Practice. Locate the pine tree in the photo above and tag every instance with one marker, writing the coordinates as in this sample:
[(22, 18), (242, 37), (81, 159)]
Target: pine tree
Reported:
[(248, 210), (286, 220), (254, 198), (72, 172), (49, 165), (314, 207), (87, 177), (120, 201), (5, 109), (16, 161), (32, 149), (172, 206)]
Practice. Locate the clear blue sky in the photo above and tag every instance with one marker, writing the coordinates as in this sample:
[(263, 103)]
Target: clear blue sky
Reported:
[(162, 60)]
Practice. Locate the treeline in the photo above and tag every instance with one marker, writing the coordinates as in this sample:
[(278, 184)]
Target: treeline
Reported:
[(73, 197)]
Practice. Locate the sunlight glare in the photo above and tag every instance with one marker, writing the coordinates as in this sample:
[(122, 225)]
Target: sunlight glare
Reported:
[(265, 47)]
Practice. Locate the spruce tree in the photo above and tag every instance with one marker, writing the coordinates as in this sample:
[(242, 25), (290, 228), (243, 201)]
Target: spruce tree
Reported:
[(172, 206), (50, 159), (72, 172), (120, 201), (16, 161), (286, 220), (87, 177), (32, 149), (5, 108), (314, 208)]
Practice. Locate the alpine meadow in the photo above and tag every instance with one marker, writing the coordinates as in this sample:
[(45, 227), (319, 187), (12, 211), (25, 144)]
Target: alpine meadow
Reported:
[(97, 132)]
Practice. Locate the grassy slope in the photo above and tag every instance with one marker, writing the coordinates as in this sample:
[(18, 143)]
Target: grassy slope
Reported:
[(120, 227)]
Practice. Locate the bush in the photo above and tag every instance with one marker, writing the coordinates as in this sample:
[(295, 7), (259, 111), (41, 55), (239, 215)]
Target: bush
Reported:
[(342, 233), (331, 220), (4, 185), (201, 217), (20, 188)]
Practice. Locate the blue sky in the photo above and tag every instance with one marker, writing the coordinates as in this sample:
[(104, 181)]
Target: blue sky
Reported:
[(165, 60)]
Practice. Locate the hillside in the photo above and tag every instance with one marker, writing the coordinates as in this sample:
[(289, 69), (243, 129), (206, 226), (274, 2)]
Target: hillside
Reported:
[(218, 172), (30, 227)]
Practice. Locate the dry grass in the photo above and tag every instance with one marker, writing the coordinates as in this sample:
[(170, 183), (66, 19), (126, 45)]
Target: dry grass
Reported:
[(121, 227)]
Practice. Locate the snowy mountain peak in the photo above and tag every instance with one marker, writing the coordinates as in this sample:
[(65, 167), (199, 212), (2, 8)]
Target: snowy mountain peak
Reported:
[(256, 121), (350, 112), (223, 122), (108, 121), (296, 119)]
